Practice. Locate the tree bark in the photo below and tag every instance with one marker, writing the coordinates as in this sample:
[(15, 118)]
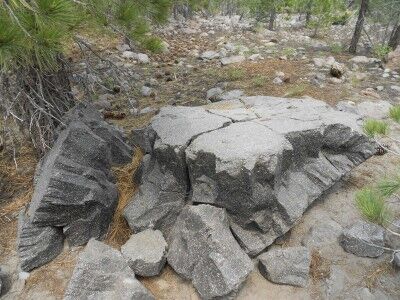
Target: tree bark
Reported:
[(272, 18), (394, 38), (359, 26)]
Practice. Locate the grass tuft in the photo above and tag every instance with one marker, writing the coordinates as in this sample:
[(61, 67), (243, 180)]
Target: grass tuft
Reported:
[(372, 205), (394, 113), (235, 74), (259, 81), (296, 91), (373, 128)]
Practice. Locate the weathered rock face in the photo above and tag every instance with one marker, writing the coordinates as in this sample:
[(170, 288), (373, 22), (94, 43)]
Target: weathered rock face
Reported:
[(203, 250), (37, 245), (103, 273), (264, 159), (146, 252), (74, 187), (286, 266), (363, 239)]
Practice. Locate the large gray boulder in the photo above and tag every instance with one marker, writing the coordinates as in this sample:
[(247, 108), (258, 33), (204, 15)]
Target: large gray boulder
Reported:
[(102, 272), (146, 252), (37, 245), (203, 250), (363, 239), (264, 159), (74, 189), (164, 187), (286, 266)]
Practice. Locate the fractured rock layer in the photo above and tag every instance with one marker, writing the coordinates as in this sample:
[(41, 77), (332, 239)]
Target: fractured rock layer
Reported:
[(263, 159), (75, 191), (203, 250)]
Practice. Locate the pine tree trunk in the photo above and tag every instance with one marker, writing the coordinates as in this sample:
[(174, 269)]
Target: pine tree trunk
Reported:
[(272, 18), (394, 38), (359, 26)]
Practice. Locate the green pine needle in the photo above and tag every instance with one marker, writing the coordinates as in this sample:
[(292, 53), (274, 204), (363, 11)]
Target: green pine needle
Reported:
[(395, 113), (372, 205)]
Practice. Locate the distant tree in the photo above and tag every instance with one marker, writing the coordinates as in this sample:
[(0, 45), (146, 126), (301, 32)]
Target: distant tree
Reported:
[(359, 26)]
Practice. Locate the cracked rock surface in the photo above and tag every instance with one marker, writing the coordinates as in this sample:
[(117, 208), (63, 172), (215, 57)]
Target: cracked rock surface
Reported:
[(75, 193), (263, 159), (103, 273)]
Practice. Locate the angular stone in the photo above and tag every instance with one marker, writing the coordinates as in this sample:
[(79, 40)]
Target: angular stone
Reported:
[(5, 282), (146, 252), (363, 239), (396, 259), (74, 186), (392, 238), (232, 60), (214, 94), (203, 250), (121, 152), (208, 55), (286, 266), (37, 245), (102, 272)]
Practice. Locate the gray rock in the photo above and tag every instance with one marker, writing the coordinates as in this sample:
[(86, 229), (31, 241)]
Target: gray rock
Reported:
[(162, 193), (214, 94), (360, 238), (143, 138), (143, 58), (324, 233), (5, 282), (203, 250), (361, 60), (396, 259), (37, 245), (392, 238), (231, 95), (278, 154), (286, 266), (147, 91), (232, 60), (146, 252), (74, 187), (208, 55), (102, 272)]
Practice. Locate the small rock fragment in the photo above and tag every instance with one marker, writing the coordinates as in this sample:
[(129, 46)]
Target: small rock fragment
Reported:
[(145, 252), (286, 266), (232, 60), (103, 273), (363, 239)]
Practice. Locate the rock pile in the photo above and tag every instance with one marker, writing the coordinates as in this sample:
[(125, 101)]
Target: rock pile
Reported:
[(252, 165), (75, 194)]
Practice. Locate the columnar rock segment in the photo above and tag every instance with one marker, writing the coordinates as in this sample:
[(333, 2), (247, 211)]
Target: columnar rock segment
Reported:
[(75, 191), (37, 245), (263, 159), (203, 250), (103, 273), (165, 184)]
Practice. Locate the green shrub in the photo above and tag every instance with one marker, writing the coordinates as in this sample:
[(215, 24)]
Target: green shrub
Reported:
[(234, 74), (336, 48), (296, 91), (372, 205), (380, 51), (259, 81), (153, 44), (373, 128)]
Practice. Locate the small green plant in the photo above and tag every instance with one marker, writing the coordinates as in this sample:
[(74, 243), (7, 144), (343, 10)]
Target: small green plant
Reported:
[(153, 44), (387, 187), (372, 205), (259, 81), (373, 128), (234, 74), (380, 51), (336, 48), (394, 113), (296, 91), (289, 52)]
